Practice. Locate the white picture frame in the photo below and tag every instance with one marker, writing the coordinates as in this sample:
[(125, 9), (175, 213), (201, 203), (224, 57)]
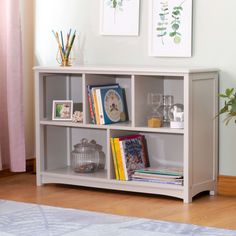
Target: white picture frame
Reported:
[(119, 17), (62, 110), (170, 28)]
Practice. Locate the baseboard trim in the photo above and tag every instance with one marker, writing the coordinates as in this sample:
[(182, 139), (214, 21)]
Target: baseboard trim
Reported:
[(30, 168), (30, 165), (227, 185)]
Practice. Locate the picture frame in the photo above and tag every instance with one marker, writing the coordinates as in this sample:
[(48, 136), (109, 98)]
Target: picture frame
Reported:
[(119, 17), (170, 28), (62, 110)]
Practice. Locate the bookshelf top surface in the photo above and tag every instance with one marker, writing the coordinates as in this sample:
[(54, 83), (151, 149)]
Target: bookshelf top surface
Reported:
[(134, 70)]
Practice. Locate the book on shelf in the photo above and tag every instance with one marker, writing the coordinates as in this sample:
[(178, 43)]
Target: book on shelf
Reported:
[(163, 170), (116, 167), (92, 100), (113, 105), (180, 182), (164, 175), (107, 103), (120, 164), (130, 154)]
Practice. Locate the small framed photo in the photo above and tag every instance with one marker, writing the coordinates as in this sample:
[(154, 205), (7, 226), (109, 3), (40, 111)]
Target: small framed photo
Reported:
[(62, 110)]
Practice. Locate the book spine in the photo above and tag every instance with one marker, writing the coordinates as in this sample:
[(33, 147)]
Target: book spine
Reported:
[(130, 137), (100, 106), (145, 152), (91, 105), (95, 106), (114, 159), (125, 105), (123, 157), (119, 158)]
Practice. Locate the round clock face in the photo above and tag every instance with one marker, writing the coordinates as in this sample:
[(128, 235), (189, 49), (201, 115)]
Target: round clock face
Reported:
[(113, 105)]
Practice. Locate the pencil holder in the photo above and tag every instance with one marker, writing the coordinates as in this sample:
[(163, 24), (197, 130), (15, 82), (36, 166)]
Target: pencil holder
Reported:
[(62, 60)]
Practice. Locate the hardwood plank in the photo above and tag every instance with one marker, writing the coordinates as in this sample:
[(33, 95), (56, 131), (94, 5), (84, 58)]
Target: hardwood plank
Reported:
[(227, 185), (215, 211)]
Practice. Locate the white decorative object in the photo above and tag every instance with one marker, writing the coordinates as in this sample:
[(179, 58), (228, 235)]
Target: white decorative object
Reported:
[(170, 28), (119, 17), (77, 116), (177, 116)]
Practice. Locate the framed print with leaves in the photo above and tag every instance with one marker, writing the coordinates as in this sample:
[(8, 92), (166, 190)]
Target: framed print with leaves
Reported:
[(170, 28), (119, 17)]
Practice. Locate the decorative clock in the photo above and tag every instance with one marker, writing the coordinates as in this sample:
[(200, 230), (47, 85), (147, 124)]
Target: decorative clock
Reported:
[(113, 104)]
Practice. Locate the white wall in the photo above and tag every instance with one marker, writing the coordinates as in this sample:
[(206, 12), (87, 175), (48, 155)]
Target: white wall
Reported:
[(214, 32)]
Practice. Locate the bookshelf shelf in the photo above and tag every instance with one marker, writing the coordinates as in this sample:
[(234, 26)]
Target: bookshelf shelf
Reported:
[(194, 148), (116, 126)]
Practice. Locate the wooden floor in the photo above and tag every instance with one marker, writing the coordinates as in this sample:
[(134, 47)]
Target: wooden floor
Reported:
[(217, 211)]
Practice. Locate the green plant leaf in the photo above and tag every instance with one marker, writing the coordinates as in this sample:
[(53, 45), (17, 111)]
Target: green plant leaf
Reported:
[(161, 28), (233, 106), (175, 27), (161, 35), (177, 39), (172, 34), (176, 13), (222, 95), (229, 91), (223, 110)]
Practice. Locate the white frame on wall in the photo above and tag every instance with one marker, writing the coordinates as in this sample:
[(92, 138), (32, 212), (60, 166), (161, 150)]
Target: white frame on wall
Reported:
[(123, 19), (170, 28)]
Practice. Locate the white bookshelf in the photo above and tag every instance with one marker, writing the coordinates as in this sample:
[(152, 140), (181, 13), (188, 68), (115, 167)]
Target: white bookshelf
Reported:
[(195, 147)]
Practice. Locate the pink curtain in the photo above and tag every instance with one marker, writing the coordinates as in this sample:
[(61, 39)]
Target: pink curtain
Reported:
[(12, 141)]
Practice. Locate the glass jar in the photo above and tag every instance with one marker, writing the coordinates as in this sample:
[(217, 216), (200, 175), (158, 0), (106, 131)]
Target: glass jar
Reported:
[(154, 119), (164, 109), (85, 157), (102, 157)]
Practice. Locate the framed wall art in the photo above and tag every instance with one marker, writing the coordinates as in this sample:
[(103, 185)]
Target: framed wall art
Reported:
[(170, 28), (119, 17)]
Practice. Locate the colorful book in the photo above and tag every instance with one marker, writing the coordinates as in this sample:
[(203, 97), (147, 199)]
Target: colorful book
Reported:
[(114, 105), (115, 159), (119, 158), (93, 104), (100, 108), (159, 181), (133, 154), (172, 171), (156, 176), (93, 92)]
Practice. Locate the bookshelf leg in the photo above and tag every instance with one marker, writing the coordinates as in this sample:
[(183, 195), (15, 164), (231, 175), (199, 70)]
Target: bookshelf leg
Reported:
[(187, 198), (39, 181), (212, 192)]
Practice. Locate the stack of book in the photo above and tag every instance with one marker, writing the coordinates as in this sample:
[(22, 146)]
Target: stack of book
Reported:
[(107, 104), (129, 154), (163, 175)]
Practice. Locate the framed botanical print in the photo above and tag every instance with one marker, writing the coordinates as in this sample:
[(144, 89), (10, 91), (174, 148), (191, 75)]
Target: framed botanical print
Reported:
[(119, 17), (170, 28)]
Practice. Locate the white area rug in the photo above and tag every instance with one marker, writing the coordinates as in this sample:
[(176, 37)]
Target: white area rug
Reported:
[(25, 219)]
